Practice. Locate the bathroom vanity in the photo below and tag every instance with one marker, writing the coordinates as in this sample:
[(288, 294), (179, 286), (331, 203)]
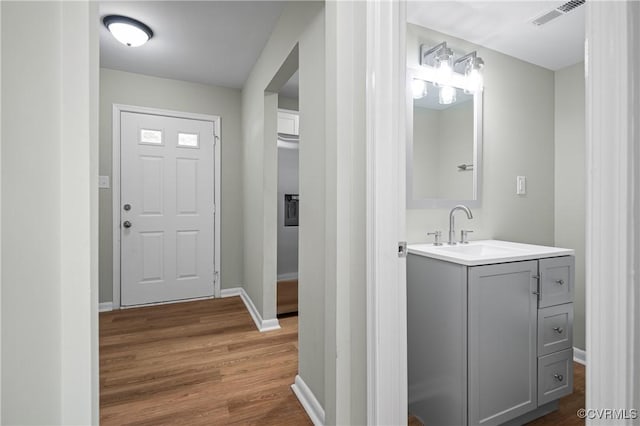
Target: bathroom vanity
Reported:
[(489, 331)]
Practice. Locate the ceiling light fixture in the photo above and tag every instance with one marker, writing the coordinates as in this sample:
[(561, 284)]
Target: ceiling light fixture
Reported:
[(127, 31)]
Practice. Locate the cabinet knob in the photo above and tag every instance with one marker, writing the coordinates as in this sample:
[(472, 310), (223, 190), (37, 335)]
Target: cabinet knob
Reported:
[(561, 282), (558, 377), (558, 330)]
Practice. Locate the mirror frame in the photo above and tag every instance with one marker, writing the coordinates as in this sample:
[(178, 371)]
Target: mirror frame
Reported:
[(443, 203)]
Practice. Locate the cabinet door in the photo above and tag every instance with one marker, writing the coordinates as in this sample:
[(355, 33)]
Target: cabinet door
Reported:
[(556, 280), (502, 342)]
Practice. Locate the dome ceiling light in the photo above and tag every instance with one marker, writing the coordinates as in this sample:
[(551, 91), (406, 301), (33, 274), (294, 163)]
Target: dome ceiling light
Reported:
[(127, 31)]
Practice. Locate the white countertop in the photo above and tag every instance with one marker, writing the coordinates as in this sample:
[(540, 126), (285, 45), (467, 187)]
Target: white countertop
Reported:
[(486, 252)]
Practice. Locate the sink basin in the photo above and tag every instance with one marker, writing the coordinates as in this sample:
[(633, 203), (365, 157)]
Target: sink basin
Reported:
[(487, 252)]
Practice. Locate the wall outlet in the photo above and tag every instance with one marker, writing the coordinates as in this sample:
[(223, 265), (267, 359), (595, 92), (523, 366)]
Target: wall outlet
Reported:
[(521, 185), (103, 182)]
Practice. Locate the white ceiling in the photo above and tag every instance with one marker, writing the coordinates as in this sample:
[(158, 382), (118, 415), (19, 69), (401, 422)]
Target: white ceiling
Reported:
[(505, 26), (210, 42), (218, 42)]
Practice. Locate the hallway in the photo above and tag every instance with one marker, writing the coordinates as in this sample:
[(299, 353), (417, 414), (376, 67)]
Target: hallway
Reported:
[(197, 363)]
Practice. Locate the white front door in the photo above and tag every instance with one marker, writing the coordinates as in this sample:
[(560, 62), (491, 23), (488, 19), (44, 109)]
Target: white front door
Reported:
[(167, 208)]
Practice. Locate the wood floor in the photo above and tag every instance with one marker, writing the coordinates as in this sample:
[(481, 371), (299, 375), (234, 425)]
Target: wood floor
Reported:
[(287, 297), (197, 363), (204, 363)]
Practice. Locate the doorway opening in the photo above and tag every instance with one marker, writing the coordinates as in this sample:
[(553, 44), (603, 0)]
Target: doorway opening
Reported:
[(288, 198)]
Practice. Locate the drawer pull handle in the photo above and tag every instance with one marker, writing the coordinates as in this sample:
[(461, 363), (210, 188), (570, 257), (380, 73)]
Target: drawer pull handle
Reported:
[(561, 282), (558, 330), (558, 377)]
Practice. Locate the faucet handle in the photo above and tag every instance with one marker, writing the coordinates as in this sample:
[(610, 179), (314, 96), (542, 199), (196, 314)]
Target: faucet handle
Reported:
[(463, 236), (437, 235)]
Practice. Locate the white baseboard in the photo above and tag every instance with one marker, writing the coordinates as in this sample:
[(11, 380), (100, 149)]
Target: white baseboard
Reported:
[(231, 292), (105, 306), (579, 356), (262, 324), (288, 276), (309, 401)]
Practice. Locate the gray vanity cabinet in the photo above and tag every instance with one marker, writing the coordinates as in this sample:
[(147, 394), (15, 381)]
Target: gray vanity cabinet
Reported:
[(502, 338), (489, 344)]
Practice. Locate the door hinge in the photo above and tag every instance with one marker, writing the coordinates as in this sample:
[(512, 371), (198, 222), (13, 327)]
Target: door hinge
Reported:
[(402, 249)]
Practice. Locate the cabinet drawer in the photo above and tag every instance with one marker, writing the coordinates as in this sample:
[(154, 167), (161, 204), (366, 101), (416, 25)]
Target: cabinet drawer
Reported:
[(555, 376), (556, 281), (555, 328)]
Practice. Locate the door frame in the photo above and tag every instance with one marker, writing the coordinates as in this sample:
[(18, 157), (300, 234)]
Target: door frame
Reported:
[(387, 382), (116, 187)]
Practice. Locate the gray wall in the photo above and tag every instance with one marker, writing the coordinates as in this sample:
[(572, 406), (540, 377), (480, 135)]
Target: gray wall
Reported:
[(287, 103), (31, 293), (288, 183), (301, 23), (140, 90), (518, 140), (570, 180), (49, 152)]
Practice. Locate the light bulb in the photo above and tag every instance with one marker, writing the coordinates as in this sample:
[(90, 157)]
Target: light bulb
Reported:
[(419, 88), (128, 34), (473, 75), (444, 66), (474, 80), (447, 95)]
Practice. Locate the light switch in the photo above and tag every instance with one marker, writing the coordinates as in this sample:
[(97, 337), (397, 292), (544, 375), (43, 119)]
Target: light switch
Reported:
[(521, 185), (103, 182)]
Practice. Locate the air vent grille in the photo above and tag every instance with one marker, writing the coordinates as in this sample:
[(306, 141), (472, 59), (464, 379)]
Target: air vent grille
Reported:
[(547, 17), (570, 5), (559, 11)]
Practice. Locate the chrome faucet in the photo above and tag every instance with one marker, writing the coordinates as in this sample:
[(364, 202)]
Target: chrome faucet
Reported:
[(452, 223)]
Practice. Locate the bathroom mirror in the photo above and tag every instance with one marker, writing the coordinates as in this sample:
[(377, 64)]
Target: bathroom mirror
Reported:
[(444, 149)]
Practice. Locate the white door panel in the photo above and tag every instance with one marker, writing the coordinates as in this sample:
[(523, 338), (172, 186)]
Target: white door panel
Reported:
[(167, 180)]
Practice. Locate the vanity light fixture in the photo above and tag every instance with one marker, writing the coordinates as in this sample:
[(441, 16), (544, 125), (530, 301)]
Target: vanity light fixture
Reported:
[(442, 60), (472, 71), (128, 31), (441, 64), (419, 88)]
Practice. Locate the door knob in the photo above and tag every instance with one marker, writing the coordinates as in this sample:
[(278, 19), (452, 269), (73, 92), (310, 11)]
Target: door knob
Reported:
[(126, 224), (127, 207), (561, 282)]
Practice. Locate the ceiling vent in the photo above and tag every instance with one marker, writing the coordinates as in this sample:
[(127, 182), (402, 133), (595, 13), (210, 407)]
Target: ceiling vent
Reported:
[(557, 12)]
